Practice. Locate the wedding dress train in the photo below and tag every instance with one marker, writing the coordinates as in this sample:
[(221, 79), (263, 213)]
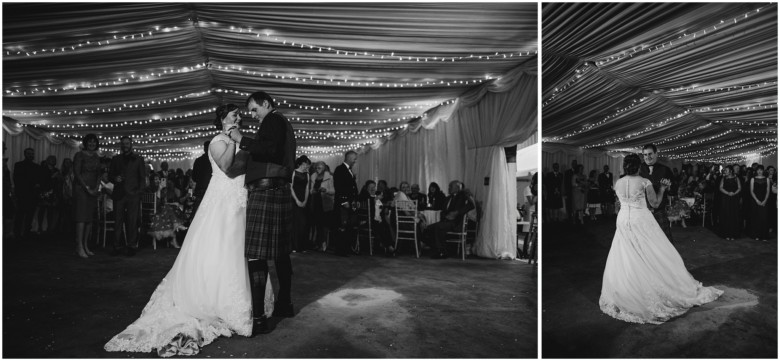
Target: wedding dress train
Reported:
[(206, 293)]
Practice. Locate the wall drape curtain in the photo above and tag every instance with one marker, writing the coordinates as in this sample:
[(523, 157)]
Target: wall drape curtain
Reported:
[(17, 139), (475, 128)]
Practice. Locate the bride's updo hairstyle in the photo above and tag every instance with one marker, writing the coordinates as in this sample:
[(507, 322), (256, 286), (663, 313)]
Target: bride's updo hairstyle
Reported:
[(631, 164), (222, 112)]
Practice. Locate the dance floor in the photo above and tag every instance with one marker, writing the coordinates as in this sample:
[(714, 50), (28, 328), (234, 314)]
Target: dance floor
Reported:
[(742, 323), (56, 305)]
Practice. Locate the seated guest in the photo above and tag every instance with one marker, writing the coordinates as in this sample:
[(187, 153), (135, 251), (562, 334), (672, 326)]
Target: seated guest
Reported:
[(436, 197), (456, 207), (106, 187), (368, 191), (421, 198), (379, 225), (381, 186), (404, 187)]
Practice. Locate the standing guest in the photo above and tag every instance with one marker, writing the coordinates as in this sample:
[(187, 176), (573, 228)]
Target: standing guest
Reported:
[(579, 188), (322, 193), (457, 205), (760, 189), (27, 187), (269, 209), (86, 173), (530, 194), (49, 204), (657, 172), (594, 195), (128, 174), (555, 190), (568, 187), (436, 197), (163, 170), (421, 198), (730, 219), (346, 194), (606, 193), (746, 176), (8, 201), (201, 174), (771, 175), (65, 184), (300, 193)]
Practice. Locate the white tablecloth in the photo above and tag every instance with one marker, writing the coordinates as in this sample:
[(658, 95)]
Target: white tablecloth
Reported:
[(430, 217)]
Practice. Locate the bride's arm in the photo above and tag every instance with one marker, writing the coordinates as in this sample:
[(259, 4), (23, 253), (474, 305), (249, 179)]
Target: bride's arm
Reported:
[(239, 164), (222, 153), (652, 197)]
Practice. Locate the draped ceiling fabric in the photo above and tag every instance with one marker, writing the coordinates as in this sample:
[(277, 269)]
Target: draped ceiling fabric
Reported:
[(697, 79), (346, 74)]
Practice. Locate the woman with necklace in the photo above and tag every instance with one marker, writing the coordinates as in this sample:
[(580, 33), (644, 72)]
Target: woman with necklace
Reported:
[(85, 191)]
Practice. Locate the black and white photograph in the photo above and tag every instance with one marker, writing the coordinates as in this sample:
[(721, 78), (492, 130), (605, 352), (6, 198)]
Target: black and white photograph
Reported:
[(659, 180), (302, 180)]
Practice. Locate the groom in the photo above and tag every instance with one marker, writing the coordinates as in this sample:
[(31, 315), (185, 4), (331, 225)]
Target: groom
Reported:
[(656, 172), (269, 210)]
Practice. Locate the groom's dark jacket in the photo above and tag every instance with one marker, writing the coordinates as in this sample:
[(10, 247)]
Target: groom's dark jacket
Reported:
[(272, 151), (659, 172)]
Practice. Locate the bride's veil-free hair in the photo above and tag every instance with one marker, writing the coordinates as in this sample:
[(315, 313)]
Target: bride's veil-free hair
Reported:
[(222, 112)]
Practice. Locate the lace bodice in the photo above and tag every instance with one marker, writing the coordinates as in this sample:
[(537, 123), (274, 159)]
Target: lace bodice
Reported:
[(631, 191), (221, 187)]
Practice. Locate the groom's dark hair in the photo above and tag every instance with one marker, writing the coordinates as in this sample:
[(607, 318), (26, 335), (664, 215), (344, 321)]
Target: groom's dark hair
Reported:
[(258, 97), (631, 164), (650, 146)]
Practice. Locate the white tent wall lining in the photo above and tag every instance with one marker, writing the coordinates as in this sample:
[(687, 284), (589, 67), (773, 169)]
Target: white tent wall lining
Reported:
[(468, 146)]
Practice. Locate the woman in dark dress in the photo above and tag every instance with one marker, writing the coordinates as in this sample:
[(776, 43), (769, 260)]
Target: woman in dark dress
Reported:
[(759, 195), (322, 193), (436, 198), (300, 194), (771, 175), (730, 217), (85, 191)]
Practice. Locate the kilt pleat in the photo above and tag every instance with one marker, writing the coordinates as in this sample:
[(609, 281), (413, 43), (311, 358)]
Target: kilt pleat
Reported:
[(269, 216)]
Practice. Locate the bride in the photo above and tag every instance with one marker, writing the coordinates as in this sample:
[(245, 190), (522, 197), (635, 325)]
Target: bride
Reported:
[(206, 293), (645, 280)]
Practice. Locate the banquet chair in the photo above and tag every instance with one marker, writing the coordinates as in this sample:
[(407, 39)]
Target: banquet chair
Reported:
[(364, 215), (707, 206), (459, 237), (148, 210), (105, 223), (406, 217)]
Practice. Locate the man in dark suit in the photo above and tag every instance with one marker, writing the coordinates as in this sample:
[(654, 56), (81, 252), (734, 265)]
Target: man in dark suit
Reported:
[(606, 180), (201, 174), (421, 198), (269, 163), (128, 172), (346, 195), (458, 204), (27, 186), (656, 172), (554, 189), (567, 187)]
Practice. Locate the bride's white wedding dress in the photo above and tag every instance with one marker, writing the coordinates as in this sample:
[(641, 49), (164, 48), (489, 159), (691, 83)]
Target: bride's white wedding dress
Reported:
[(206, 293), (645, 280)]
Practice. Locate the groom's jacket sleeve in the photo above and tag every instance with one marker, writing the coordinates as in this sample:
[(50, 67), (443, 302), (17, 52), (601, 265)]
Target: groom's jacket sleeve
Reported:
[(266, 146)]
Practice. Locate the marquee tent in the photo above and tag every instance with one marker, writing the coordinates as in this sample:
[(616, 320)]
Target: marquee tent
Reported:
[(699, 80), (425, 91)]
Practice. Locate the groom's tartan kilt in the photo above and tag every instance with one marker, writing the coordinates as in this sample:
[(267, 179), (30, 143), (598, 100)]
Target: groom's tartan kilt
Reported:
[(269, 215)]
